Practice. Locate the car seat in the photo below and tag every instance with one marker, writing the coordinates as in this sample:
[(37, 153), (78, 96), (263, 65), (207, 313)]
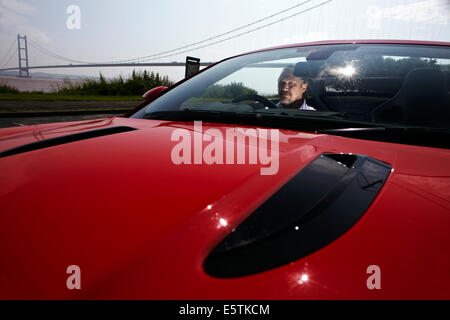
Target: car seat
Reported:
[(422, 100)]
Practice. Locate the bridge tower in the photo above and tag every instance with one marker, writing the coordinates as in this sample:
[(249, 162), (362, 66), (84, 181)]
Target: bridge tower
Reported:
[(23, 70)]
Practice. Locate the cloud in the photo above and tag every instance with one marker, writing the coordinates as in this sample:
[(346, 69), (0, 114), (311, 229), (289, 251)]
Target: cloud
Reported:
[(426, 11), (19, 7), (309, 37), (9, 18), (14, 18), (35, 33)]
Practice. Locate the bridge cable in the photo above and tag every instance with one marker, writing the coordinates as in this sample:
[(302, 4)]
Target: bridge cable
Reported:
[(217, 36), (241, 34), (8, 53)]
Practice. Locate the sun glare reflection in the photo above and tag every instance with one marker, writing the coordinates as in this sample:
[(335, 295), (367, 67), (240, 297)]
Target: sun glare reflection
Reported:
[(348, 71), (303, 279), (223, 222)]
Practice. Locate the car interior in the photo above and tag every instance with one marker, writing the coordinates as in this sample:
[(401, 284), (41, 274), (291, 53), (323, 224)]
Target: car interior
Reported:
[(420, 98)]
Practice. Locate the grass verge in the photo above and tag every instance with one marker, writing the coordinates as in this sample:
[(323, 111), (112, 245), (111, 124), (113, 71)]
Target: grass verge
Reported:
[(25, 96)]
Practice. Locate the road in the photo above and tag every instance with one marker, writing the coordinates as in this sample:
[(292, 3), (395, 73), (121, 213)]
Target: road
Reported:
[(21, 121), (63, 106)]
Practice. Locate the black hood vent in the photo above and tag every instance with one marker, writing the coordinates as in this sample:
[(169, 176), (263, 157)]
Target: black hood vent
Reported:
[(65, 139), (313, 209)]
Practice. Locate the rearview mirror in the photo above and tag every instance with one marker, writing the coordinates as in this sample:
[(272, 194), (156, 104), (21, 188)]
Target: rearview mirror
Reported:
[(307, 69), (192, 66)]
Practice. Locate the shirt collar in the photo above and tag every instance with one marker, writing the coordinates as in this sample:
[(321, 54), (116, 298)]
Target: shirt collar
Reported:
[(301, 103)]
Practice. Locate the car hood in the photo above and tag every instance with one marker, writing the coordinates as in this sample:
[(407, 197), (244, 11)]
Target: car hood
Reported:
[(139, 225)]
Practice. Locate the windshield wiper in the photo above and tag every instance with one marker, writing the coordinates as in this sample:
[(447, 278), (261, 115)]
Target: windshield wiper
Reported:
[(192, 114), (302, 113), (328, 123), (307, 121)]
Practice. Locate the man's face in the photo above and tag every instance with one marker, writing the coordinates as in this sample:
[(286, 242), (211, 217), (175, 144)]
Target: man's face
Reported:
[(290, 88)]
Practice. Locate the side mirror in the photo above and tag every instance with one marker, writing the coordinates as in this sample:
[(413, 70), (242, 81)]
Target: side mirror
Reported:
[(153, 92)]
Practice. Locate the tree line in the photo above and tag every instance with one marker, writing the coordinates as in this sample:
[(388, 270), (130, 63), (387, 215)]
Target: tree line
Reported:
[(228, 91), (136, 84)]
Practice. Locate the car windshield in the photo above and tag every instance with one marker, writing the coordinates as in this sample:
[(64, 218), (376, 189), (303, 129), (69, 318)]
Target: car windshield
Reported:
[(374, 84)]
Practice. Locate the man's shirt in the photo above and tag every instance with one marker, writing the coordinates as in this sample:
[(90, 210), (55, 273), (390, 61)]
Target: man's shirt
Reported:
[(300, 103)]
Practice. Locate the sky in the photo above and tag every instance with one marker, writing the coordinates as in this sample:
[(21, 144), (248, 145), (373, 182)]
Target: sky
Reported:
[(112, 30)]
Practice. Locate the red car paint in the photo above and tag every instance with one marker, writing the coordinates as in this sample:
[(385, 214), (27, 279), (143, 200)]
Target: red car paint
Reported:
[(372, 41), (139, 226)]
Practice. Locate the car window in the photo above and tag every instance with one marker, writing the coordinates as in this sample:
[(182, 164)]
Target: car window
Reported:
[(373, 83)]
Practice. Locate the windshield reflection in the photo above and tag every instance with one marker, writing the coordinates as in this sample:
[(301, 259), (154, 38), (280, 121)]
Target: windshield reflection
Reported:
[(373, 83)]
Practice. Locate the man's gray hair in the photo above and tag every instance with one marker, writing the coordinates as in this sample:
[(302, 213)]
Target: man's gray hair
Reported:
[(289, 71)]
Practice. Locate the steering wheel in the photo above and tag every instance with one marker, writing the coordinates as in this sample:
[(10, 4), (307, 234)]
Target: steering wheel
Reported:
[(255, 97)]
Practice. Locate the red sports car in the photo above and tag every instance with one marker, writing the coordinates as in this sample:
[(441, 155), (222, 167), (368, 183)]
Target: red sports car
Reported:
[(310, 171)]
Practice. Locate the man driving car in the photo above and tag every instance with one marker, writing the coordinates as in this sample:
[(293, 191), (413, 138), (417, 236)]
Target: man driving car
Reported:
[(291, 90)]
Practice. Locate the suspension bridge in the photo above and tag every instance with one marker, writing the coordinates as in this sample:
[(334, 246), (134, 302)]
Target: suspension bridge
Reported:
[(22, 50), (23, 67)]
